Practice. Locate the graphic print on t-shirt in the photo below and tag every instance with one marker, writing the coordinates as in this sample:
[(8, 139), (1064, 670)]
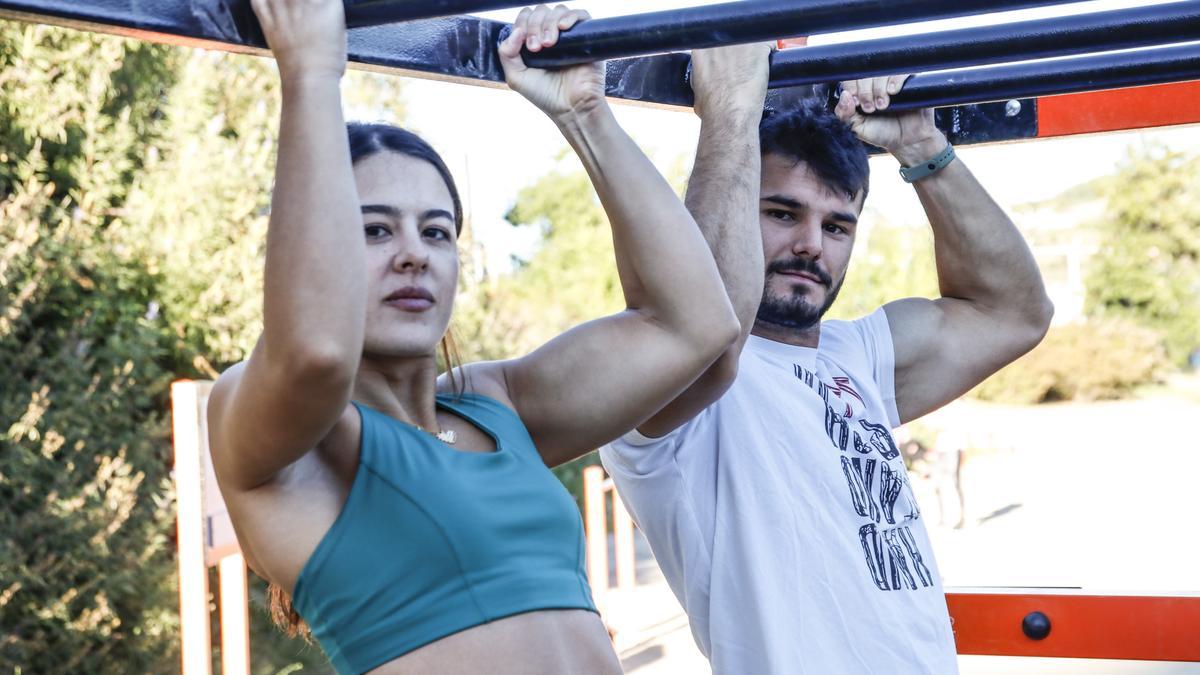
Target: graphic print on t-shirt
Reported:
[(877, 486)]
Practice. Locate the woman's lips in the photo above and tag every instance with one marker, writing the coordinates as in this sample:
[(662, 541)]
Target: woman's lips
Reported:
[(410, 299), (410, 304)]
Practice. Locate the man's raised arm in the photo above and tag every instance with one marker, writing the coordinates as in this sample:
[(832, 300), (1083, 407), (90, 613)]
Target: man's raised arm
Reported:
[(730, 84), (993, 306)]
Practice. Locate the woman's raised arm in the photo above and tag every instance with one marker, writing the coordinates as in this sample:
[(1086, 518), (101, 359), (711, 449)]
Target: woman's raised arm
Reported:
[(266, 413), (601, 379)]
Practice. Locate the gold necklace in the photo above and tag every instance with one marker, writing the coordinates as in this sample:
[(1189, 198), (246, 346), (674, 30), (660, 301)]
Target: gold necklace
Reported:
[(447, 436)]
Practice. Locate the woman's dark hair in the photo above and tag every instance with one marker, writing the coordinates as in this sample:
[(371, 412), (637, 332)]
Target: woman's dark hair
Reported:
[(814, 135), (371, 139)]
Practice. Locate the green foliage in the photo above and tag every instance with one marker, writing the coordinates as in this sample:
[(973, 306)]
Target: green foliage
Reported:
[(135, 182), (197, 216), (1148, 266), (571, 278), (1102, 359), (890, 262), (86, 562)]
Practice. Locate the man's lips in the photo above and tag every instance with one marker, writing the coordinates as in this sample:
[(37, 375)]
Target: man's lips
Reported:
[(808, 276)]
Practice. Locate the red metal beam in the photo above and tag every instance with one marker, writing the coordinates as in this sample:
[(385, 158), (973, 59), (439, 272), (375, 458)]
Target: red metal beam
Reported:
[(1119, 109), (1147, 628)]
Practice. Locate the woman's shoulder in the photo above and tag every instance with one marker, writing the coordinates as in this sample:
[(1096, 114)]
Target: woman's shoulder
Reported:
[(482, 379)]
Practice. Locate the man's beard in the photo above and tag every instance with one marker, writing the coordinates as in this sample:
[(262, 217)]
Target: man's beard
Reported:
[(794, 311)]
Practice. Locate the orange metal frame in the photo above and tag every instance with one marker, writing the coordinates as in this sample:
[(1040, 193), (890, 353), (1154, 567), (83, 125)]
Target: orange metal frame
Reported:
[(1119, 109), (1143, 628), (1081, 626)]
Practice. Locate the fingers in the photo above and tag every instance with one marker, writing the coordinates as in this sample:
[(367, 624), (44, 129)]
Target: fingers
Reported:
[(549, 33), (874, 94), (895, 83), (573, 17), (543, 25), (535, 35), (865, 91), (847, 105), (510, 48)]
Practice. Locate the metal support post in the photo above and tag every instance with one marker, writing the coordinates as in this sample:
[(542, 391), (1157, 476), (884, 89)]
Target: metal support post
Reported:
[(596, 525)]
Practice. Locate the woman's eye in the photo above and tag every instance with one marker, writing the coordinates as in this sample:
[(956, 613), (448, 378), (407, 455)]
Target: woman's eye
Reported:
[(376, 231)]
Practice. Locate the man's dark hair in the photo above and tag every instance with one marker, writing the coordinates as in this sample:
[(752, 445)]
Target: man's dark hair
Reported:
[(814, 135)]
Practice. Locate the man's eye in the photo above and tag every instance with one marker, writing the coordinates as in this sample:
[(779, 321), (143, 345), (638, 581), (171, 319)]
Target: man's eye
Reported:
[(834, 228), (780, 215), (439, 233)]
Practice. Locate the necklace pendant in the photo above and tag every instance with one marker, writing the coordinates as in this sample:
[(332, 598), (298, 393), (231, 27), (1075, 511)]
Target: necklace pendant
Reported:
[(447, 436)]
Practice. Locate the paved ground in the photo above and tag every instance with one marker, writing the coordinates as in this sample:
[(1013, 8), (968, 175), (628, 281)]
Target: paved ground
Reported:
[(1101, 496)]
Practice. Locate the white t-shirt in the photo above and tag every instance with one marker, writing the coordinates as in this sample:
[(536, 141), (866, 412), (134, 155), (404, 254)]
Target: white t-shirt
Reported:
[(783, 519)]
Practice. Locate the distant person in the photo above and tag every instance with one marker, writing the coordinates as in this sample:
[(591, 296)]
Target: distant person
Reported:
[(413, 518), (771, 491), (940, 465)]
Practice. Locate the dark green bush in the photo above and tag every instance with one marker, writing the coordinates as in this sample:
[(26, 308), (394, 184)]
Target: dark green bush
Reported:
[(1102, 359), (132, 179)]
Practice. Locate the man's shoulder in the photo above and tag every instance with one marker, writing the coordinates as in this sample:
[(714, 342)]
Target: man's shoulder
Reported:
[(855, 338), (874, 320)]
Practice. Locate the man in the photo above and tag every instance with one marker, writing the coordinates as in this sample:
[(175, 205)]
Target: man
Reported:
[(771, 491)]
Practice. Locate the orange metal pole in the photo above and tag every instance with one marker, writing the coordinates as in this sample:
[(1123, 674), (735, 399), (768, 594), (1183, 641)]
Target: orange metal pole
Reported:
[(596, 521), (196, 647), (626, 560), (235, 616), (1081, 626)]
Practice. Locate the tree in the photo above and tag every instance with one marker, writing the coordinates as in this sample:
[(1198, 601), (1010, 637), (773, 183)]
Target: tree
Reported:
[(1148, 266), (890, 262), (135, 184), (86, 560)]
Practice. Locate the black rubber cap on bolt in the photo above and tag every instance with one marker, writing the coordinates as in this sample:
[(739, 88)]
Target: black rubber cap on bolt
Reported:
[(1036, 626)]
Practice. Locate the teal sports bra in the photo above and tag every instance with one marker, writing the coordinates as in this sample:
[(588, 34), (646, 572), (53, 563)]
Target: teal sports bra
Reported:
[(432, 540)]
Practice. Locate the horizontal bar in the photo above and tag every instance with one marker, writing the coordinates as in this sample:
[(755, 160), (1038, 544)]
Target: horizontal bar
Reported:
[(362, 13), (1060, 36), (1114, 70), (744, 22), (1146, 628), (456, 49)]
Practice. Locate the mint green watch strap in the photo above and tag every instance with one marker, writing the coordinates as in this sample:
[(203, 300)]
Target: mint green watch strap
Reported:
[(912, 174)]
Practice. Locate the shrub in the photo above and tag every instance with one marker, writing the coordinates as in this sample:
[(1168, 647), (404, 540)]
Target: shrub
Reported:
[(1102, 359)]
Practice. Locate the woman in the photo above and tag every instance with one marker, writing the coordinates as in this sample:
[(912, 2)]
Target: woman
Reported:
[(412, 518)]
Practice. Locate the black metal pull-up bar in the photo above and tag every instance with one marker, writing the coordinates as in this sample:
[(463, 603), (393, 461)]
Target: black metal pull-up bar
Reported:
[(463, 48), (747, 21), (1063, 76), (1045, 38), (361, 13)]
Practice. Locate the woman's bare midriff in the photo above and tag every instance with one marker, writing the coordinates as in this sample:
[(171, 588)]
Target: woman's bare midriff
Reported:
[(565, 642)]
